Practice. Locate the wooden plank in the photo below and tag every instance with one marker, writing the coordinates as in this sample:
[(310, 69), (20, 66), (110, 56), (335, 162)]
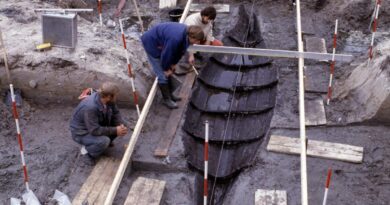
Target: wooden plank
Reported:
[(315, 112), (315, 44), (315, 148), (101, 182), (270, 197), (174, 118), (89, 184), (221, 8), (111, 174), (316, 79), (145, 191), (167, 4)]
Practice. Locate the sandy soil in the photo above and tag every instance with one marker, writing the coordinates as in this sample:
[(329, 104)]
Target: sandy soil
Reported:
[(53, 160)]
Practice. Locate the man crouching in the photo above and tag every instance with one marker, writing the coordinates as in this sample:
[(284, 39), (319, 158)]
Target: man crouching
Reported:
[(96, 121)]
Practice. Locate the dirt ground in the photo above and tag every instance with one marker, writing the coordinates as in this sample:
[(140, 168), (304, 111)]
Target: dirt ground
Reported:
[(53, 158)]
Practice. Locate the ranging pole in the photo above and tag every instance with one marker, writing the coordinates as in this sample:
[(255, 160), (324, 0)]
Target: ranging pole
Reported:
[(370, 52), (129, 70), (19, 135), (302, 128), (332, 64), (206, 162), (327, 186)]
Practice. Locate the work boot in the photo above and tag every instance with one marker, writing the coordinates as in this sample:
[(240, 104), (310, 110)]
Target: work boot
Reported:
[(165, 91), (87, 160), (172, 89)]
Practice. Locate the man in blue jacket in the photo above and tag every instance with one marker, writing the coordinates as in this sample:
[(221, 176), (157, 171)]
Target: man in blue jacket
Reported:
[(96, 121), (165, 44)]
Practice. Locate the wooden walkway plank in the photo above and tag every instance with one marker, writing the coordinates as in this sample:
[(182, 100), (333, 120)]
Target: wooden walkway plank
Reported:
[(145, 191), (100, 184), (175, 117), (315, 44), (110, 178), (89, 184), (316, 79), (327, 150), (221, 8), (270, 197), (315, 112)]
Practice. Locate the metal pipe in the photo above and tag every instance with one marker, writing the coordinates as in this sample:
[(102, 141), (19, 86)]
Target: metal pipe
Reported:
[(269, 52), (302, 128), (64, 10)]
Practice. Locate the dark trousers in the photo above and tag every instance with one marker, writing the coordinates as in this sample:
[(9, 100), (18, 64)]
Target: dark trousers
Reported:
[(95, 145)]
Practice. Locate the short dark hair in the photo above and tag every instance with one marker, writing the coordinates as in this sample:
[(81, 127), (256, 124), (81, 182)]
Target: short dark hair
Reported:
[(209, 12), (195, 32)]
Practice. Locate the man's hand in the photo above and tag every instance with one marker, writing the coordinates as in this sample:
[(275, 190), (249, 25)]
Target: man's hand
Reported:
[(121, 130), (191, 59), (168, 72)]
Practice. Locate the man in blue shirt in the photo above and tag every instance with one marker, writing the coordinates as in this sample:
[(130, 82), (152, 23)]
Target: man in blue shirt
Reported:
[(96, 121), (165, 44)]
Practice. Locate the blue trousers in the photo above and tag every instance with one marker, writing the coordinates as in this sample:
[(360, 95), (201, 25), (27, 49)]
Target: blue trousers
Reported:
[(95, 145), (157, 69)]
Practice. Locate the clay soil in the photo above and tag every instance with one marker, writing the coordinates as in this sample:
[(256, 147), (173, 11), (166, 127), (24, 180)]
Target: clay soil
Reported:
[(53, 159)]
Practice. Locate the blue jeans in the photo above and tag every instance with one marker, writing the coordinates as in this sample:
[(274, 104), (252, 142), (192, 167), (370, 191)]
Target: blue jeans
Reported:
[(95, 145), (157, 69)]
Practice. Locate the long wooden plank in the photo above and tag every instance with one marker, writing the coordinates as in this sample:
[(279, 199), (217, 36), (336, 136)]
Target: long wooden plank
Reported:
[(270, 197), (174, 118), (327, 150), (145, 191), (106, 187), (221, 8), (91, 181)]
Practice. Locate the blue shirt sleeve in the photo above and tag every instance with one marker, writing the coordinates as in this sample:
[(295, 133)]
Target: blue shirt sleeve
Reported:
[(171, 53)]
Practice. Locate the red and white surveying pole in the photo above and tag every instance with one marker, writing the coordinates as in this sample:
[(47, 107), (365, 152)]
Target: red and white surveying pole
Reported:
[(19, 135), (327, 186), (206, 163), (129, 70), (332, 64), (100, 12), (370, 52)]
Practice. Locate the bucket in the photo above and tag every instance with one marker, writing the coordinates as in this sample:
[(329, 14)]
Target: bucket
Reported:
[(175, 14)]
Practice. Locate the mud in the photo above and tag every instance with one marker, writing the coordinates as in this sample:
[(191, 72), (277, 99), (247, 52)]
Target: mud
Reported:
[(52, 157)]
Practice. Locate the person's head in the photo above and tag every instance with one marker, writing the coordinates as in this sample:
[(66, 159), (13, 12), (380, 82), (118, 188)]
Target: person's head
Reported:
[(108, 92), (208, 14), (195, 34)]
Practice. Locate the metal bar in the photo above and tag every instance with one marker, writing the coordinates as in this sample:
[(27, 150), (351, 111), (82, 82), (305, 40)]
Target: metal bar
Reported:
[(269, 52), (65, 10), (302, 125)]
